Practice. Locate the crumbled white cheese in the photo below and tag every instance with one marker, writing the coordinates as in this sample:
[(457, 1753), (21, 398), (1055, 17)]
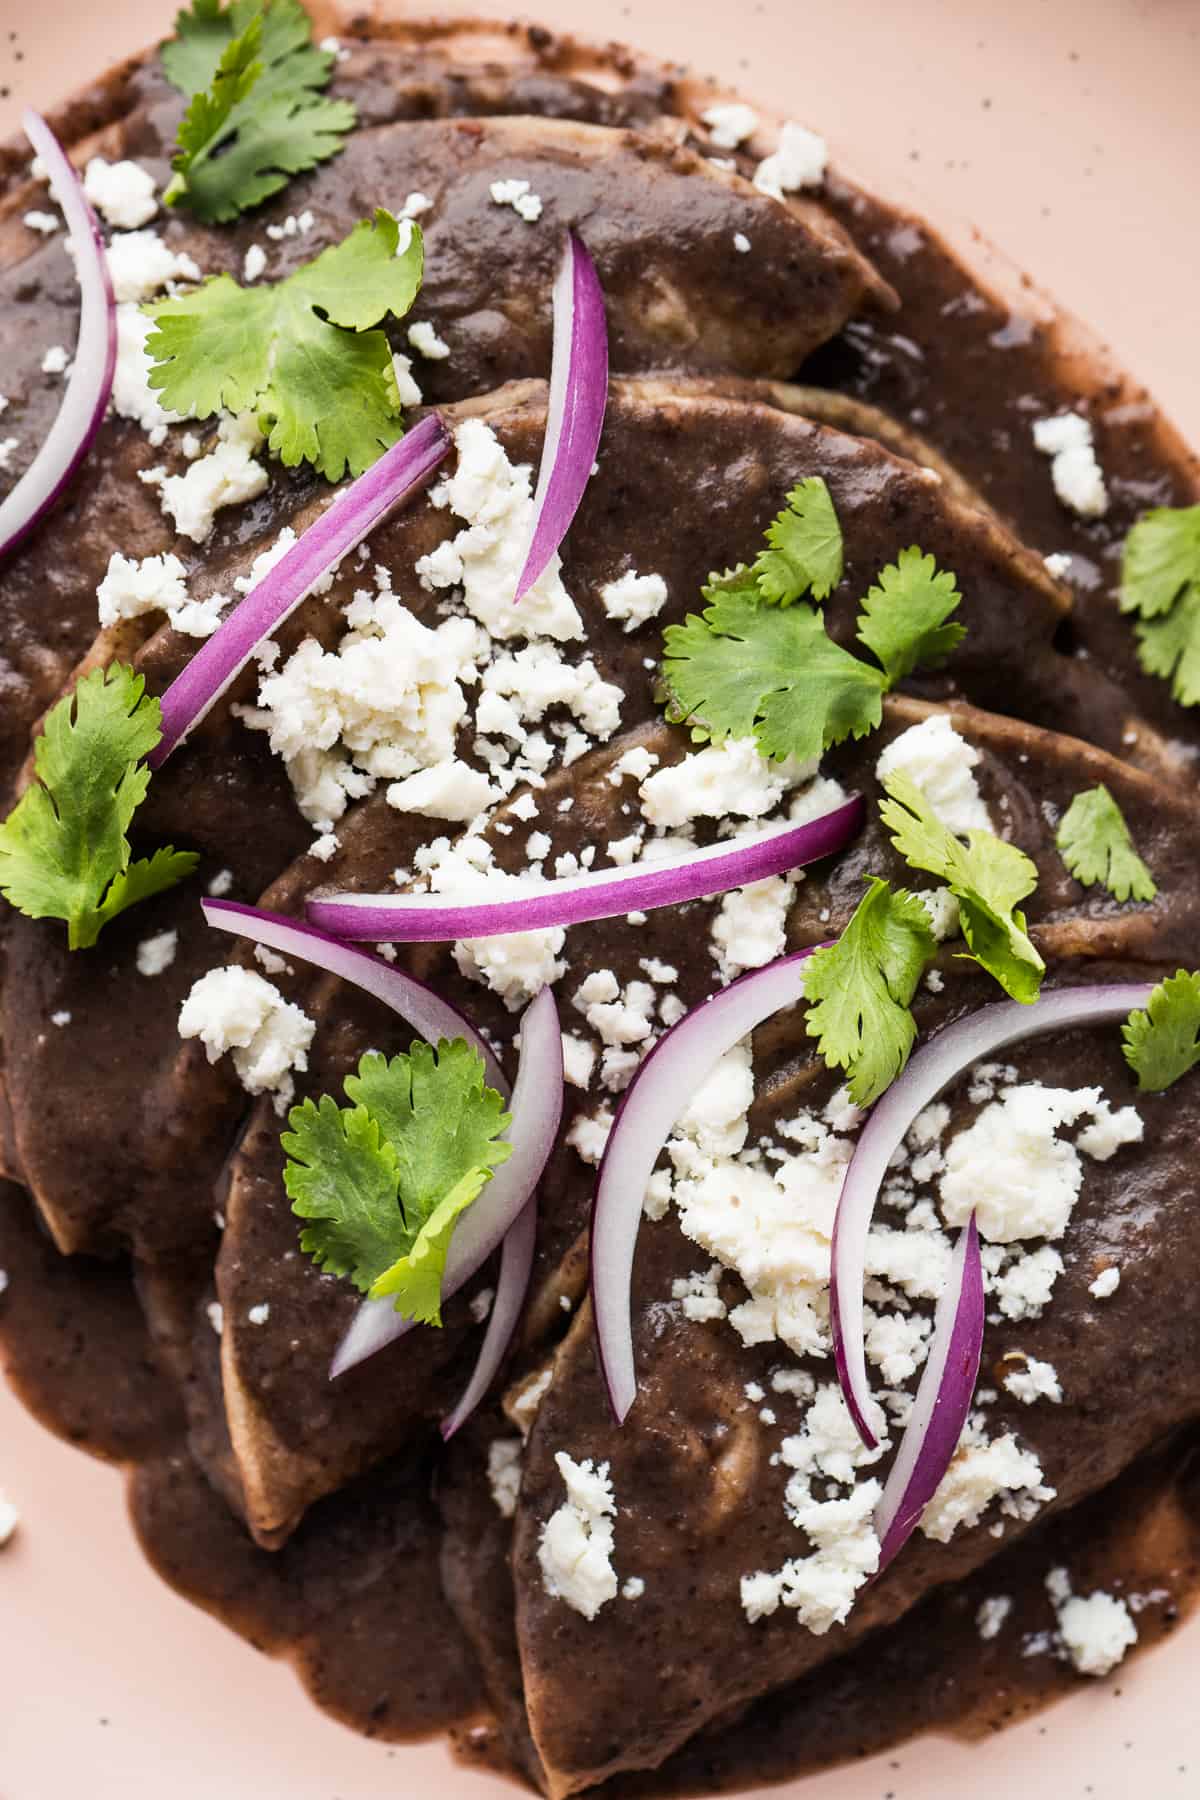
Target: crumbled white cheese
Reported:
[(514, 191), (724, 780), (416, 205), (621, 1018), (446, 790), (983, 1470), (156, 954), (1096, 1631), (941, 763), (821, 1588), (1110, 1131), (426, 342), (324, 846), (1033, 1380), (992, 1615), (216, 1316), (504, 1474), (536, 678), (575, 1550), (750, 928), (799, 162), (730, 123), (236, 1009), (60, 1019), (141, 264), (45, 222), (227, 476), (132, 395), (700, 1294), (1106, 1283), (633, 1589), (897, 1343), (406, 384), (254, 262), (515, 965), (1058, 564), (1009, 1167), (123, 191), (634, 598), (1077, 476), (741, 243), (495, 498), (155, 584), (1024, 1288), (258, 1315), (55, 361), (589, 1135)]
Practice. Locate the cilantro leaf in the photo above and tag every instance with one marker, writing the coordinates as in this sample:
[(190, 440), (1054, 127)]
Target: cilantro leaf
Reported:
[(1094, 842), (745, 670), (63, 849), (1160, 582), (904, 617), (987, 877), (253, 74), (299, 352), (1163, 1043), (385, 1179), (863, 986), (805, 547)]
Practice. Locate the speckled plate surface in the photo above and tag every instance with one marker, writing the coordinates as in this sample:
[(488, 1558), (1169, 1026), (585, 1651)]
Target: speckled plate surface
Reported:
[(1069, 135)]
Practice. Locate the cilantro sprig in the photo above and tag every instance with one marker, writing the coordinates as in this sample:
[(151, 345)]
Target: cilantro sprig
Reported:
[(986, 875), (385, 1180), (300, 353), (1163, 1042), (255, 116), (758, 662), (1095, 843), (1160, 583), (63, 849), (861, 989)]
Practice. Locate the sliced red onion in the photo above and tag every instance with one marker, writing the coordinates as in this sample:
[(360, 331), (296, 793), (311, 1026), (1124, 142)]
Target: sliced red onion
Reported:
[(601, 894), (658, 1094), (512, 1285), (943, 1400), (400, 472), (934, 1067), (89, 384), (575, 410), (416, 1004), (537, 1101)]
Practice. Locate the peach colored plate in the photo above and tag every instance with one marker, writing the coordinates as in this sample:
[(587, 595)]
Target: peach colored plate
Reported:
[(1070, 134)]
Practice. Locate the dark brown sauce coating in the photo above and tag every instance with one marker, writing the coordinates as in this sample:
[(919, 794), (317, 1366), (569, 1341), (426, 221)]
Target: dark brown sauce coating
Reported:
[(959, 369)]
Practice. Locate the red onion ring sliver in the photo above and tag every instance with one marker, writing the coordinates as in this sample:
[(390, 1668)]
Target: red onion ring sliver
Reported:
[(401, 471), (930, 1072), (537, 1102), (89, 385), (942, 1402), (417, 1004), (512, 1285), (659, 1093), (575, 408), (600, 894)]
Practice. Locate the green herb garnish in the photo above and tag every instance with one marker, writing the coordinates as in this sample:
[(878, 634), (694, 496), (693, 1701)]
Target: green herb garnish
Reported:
[(1160, 582), (986, 876), (758, 662), (256, 116), (298, 353), (63, 849), (1094, 842), (1163, 1043), (805, 547), (862, 988), (385, 1179)]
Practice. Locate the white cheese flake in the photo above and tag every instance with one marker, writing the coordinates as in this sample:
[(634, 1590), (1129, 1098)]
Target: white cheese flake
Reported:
[(1106, 1283), (634, 598), (1096, 1632), (941, 763), (236, 1009), (227, 476), (799, 161), (504, 1474), (1075, 471), (514, 191), (1032, 1380), (576, 1545), (122, 191), (156, 954), (730, 123), (426, 342)]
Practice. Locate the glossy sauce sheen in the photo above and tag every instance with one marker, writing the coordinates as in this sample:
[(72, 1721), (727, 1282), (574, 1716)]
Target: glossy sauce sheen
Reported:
[(384, 1652)]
